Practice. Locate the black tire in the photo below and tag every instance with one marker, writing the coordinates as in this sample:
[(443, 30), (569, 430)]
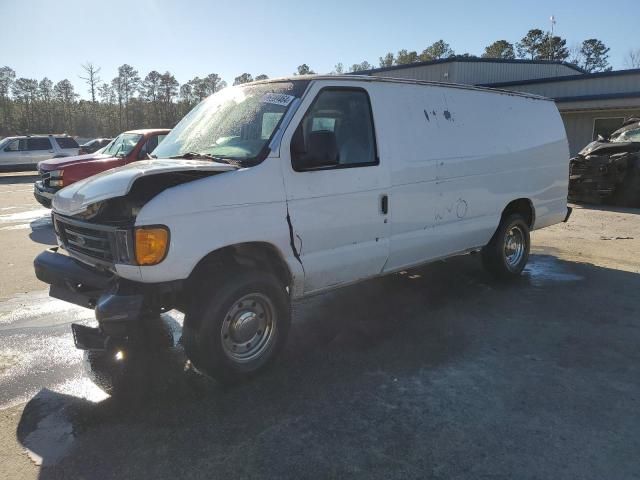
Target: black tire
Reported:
[(267, 309), (502, 263), (628, 192), (129, 372)]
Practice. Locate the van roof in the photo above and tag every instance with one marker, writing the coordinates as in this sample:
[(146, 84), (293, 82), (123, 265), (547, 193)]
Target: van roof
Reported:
[(368, 78)]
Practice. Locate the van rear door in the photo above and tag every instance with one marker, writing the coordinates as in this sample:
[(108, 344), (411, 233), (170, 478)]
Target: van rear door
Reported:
[(338, 212)]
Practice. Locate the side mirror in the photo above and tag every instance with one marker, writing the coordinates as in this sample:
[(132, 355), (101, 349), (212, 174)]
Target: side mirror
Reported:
[(321, 150)]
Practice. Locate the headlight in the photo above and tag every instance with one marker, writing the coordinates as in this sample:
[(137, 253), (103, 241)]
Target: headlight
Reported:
[(151, 244), (56, 183), (56, 173)]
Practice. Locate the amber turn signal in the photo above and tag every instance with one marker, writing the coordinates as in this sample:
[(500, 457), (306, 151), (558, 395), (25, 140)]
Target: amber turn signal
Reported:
[(151, 244)]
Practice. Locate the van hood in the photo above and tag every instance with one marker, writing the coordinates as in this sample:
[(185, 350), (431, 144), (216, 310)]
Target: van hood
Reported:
[(118, 182), (60, 162)]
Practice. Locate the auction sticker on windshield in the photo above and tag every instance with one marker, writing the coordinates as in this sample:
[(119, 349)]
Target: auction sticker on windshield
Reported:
[(277, 98)]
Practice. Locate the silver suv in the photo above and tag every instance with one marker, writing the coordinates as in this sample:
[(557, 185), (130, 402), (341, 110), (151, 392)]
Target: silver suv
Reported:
[(24, 153)]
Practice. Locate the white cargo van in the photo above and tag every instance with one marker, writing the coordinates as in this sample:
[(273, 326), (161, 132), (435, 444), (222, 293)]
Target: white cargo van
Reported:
[(275, 190)]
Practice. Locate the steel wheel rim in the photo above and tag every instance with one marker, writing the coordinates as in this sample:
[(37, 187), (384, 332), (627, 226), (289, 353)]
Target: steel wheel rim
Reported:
[(248, 328), (514, 247)]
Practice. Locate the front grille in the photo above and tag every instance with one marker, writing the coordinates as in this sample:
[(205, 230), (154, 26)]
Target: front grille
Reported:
[(578, 168), (86, 240), (45, 177)]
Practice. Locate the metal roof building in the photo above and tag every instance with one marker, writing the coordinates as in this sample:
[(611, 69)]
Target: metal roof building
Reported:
[(590, 103)]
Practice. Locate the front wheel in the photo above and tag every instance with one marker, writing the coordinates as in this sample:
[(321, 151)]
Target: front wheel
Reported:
[(235, 329), (506, 255)]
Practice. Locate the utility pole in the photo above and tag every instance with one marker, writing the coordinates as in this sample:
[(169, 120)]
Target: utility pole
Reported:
[(553, 23)]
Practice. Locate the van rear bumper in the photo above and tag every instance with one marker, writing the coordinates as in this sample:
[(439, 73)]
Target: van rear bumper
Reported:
[(119, 304)]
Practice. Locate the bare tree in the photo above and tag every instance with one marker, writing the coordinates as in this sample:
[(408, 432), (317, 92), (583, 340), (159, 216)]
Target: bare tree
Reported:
[(632, 60), (92, 79), (575, 55)]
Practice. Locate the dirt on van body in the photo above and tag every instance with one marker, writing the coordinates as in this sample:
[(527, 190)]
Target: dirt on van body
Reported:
[(439, 372)]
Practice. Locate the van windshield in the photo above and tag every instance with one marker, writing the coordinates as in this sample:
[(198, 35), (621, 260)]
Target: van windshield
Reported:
[(236, 123)]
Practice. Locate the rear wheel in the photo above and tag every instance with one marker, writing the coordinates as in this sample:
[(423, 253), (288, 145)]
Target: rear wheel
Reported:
[(506, 255), (236, 329)]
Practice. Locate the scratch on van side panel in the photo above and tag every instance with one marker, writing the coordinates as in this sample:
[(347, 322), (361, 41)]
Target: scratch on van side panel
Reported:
[(292, 240), (460, 206), (447, 115), (426, 115)]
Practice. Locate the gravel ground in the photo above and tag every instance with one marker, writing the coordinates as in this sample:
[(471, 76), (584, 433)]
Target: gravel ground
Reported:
[(439, 372)]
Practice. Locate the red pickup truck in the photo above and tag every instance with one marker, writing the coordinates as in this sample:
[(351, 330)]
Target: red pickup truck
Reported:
[(127, 147)]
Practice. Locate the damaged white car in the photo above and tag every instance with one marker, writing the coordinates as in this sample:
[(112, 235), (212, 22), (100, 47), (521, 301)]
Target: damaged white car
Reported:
[(275, 190)]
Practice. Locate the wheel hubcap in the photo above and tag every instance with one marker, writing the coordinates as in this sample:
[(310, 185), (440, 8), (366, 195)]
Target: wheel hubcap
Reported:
[(514, 247), (248, 328)]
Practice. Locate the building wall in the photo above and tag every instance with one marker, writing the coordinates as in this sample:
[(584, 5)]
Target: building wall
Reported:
[(475, 73), (579, 125), (439, 72), (628, 83)]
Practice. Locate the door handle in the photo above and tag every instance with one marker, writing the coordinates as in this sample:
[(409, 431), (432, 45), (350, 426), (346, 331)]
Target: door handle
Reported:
[(384, 204)]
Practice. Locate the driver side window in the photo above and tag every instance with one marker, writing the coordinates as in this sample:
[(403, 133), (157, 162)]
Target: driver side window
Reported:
[(13, 146), (340, 124)]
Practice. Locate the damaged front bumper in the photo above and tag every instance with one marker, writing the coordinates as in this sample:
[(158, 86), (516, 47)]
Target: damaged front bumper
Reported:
[(595, 178), (119, 304)]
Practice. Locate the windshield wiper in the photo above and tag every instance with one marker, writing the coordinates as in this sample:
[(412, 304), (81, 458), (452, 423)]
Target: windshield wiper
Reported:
[(206, 156)]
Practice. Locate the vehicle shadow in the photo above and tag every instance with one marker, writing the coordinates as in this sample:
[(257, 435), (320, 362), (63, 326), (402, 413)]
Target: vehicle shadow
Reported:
[(6, 179), (372, 378), (607, 208), (42, 231)]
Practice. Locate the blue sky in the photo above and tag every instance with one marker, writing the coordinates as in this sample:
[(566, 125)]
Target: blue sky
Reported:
[(52, 38)]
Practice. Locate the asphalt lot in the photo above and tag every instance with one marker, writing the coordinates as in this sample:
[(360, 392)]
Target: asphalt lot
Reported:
[(436, 373)]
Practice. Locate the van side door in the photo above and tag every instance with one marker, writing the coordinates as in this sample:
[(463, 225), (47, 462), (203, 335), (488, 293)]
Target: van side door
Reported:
[(337, 210)]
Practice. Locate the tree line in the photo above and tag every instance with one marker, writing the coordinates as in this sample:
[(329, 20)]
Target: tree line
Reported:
[(591, 55), (158, 100), (128, 101)]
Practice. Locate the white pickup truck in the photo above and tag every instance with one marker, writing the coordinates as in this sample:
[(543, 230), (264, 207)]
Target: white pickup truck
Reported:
[(271, 191)]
